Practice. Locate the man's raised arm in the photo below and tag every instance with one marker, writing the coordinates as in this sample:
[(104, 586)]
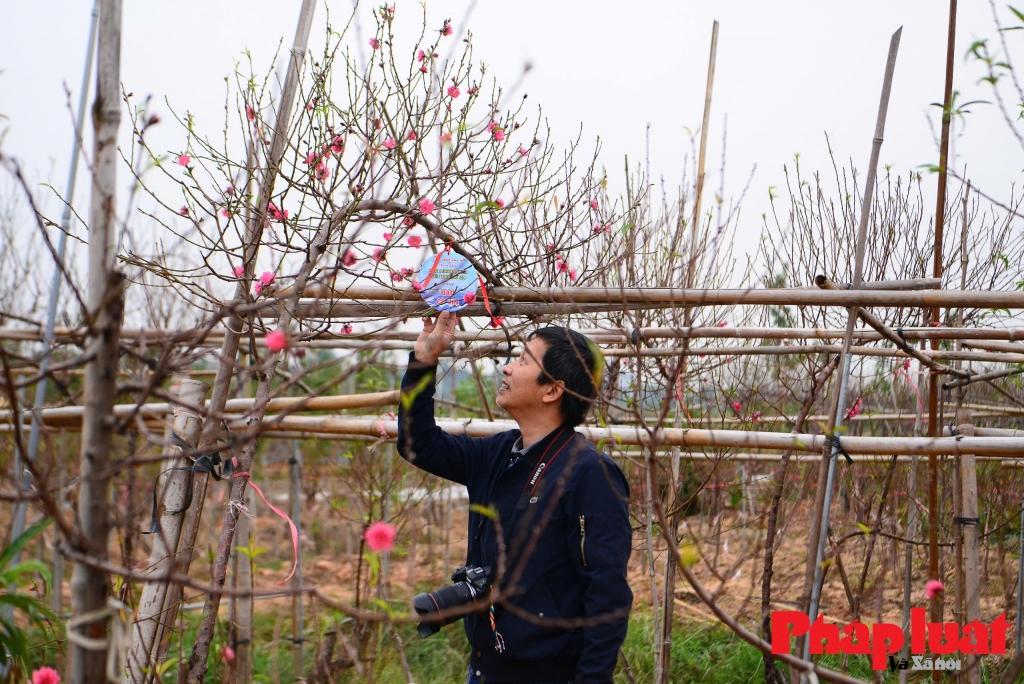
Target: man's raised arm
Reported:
[(420, 441)]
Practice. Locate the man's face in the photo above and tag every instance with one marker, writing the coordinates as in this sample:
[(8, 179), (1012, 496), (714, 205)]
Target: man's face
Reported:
[(519, 387)]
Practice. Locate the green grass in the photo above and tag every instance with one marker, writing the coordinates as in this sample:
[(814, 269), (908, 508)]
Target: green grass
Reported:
[(700, 653)]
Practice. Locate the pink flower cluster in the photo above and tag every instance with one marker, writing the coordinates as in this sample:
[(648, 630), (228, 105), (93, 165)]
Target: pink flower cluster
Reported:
[(277, 214), (427, 206), (276, 340), (380, 536), (855, 409), (264, 281), (45, 675)]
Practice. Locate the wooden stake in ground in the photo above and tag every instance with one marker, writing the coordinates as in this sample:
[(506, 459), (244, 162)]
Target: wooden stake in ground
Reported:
[(151, 628), (935, 606), (818, 533), (87, 630), (254, 235), (663, 661), (969, 521)]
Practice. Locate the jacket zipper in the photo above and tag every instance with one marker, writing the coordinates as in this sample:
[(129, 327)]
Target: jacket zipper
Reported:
[(583, 538)]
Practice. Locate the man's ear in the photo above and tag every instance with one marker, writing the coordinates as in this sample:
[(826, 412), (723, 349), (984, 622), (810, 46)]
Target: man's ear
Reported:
[(554, 392)]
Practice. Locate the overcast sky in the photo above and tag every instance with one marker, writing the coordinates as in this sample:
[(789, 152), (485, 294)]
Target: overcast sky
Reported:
[(787, 74)]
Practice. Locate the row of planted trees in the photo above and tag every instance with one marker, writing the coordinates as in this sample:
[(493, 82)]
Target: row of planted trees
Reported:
[(282, 268)]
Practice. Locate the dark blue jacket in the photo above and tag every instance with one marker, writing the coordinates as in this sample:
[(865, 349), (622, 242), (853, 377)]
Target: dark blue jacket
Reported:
[(577, 568)]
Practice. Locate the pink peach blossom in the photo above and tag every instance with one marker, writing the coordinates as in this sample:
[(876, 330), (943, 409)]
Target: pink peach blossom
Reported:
[(267, 277), (378, 254), (446, 30), (350, 258), (225, 213), (184, 160), (375, 44), (250, 113), (346, 329), (411, 135), (239, 271), (472, 90), (446, 138), (499, 134), (338, 144), (722, 324), (423, 68), (933, 588), (227, 655), (551, 247), (420, 56), (310, 158), (572, 274), (500, 202), (183, 211), (276, 340), (389, 144), (593, 204), (755, 416), (408, 222), (736, 406), (469, 298), (454, 92), (380, 536), (322, 172), (45, 675), (257, 288), (396, 276), (387, 237), (427, 206), (523, 151), (406, 272), (415, 241)]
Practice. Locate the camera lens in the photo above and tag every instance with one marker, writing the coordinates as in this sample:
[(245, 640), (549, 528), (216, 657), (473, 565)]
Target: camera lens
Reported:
[(458, 594)]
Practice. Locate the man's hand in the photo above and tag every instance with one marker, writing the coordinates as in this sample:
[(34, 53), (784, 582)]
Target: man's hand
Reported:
[(436, 337)]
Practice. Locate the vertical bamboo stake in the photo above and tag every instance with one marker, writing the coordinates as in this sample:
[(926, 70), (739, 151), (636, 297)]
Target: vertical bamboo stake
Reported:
[(296, 496), (664, 650), (18, 525), (958, 487), (935, 606), (972, 584), (254, 234), (87, 630), (819, 521), (243, 641), (1020, 578), (150, 627)]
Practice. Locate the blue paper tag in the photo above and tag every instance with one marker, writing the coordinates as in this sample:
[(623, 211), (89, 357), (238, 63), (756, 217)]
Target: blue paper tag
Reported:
[(447, 281)]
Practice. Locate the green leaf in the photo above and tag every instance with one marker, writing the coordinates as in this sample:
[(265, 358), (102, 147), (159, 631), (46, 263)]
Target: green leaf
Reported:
[(864, 528), (18, 544)]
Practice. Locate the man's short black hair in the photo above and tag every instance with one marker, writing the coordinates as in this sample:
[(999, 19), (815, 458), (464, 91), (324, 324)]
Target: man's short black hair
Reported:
[(573, 359)]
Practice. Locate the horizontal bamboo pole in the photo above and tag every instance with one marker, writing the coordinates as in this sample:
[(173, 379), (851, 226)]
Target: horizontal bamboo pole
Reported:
[(682, 298), (602, 335), (726, 439), (61, 417)]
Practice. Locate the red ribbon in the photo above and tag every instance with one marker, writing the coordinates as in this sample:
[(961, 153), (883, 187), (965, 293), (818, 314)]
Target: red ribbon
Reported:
[(433, 267), (900, 371), (496, 322), (295, 530)]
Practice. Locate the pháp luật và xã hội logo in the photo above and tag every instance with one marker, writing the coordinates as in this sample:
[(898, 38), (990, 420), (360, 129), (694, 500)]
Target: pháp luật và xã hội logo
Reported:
[(883, 639)]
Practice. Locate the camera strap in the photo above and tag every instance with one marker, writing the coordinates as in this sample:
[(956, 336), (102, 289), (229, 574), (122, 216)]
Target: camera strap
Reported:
[(527, 497)]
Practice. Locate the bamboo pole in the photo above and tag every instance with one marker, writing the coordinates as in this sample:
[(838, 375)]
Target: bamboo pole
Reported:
[(254, 233), (295, 494), (150, 628), (969, 508), (157, 336), (686, 437), (18, 524), (383, 302), (63, 416), (813, 576), (663, 659), (87, 630), (935, 606)]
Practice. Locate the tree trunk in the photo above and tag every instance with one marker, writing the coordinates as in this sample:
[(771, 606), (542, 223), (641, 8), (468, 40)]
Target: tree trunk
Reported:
[(87, 631), (151, 626)]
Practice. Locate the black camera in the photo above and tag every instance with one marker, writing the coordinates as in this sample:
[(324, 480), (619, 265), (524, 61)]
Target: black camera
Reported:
[(469, 584)]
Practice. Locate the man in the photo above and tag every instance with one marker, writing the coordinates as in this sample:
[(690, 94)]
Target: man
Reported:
[(562, 508)]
